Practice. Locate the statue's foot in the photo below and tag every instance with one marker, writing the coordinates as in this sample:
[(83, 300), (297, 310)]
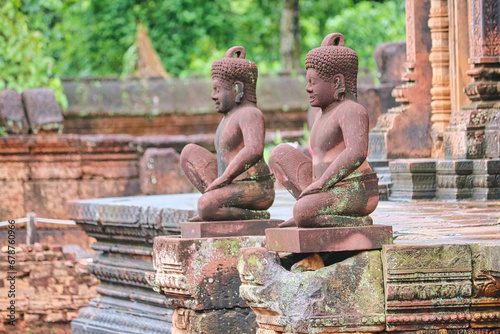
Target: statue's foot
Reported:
[(196, 218), (289, 223)]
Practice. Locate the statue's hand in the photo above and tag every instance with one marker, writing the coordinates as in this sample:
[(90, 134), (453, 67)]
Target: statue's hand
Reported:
[(313, 188), (218, 183)]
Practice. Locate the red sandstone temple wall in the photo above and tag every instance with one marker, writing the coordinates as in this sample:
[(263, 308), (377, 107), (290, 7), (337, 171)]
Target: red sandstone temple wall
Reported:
[(50, 287)]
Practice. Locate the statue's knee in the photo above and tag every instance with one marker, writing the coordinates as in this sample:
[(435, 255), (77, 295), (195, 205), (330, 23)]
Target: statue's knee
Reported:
[(208, 206), (278, 153), (302, 213)]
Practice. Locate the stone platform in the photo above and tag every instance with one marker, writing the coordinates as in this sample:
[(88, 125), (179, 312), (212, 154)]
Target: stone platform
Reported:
[(125, 228)]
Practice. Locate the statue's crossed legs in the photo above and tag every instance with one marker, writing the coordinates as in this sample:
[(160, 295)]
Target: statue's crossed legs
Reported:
[(240, 200), (347, 203)]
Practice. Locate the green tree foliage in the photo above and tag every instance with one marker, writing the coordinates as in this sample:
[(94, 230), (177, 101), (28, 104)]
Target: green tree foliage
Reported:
[(91, 37), (23, 60), (368, 24)]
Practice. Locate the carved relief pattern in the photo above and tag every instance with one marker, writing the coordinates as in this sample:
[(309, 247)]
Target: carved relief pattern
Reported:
[(439, 58), (428, 287), (475, 141), (491, 44)]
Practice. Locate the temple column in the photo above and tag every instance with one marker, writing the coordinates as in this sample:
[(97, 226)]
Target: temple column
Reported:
[(440, 61), (473, 131), (403, 132)]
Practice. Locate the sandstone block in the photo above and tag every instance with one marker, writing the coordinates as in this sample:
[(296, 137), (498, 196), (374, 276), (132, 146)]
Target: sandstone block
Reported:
[(12, 115), (161, 173), (43, 111), (227, 228)]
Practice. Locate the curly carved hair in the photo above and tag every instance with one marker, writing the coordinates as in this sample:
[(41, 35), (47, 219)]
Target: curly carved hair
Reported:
[(331, 58), (230, 69)]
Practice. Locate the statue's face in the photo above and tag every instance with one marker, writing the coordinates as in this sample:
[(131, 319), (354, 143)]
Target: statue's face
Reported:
[(225, 99), (321, 93)]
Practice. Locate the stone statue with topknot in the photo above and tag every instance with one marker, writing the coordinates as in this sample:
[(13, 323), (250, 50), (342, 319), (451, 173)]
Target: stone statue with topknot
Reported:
[(337, 187), (236, 184)]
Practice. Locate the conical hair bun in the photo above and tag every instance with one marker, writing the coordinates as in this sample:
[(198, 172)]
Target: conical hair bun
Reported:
[(334, 39), (238, 50)]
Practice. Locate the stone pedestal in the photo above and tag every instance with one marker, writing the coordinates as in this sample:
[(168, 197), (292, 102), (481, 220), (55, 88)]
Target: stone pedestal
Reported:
[(333, 239), (343, 297), (227, 228), (413, 179), (198, 277)]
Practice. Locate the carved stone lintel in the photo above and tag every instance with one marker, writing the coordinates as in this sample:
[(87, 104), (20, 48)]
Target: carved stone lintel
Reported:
[(428, 291)]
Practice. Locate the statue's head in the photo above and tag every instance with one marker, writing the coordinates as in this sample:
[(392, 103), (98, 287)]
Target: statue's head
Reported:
[(334, 63), (234, 79)]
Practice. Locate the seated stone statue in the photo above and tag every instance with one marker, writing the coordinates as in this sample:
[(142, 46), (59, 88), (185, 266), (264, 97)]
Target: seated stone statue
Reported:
[(337, 187), (237, 185)]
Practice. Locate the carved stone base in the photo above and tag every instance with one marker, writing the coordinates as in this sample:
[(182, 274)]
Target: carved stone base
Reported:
[(227, 228), (223, 321), (114, 315), (413, 179), (427, 286), (343, 297), (454, 179), (468, 179), (199, 274), (328, 239)]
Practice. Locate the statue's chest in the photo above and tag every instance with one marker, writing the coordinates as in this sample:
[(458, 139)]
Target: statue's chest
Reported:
[(228, 135), (326, 134)]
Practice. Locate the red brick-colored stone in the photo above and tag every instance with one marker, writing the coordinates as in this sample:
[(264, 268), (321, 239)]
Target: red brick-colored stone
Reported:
[(333, 239), (227, 228)]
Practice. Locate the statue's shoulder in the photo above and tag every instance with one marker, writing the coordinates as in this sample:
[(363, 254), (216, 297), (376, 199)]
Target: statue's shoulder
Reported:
[(250, 111)]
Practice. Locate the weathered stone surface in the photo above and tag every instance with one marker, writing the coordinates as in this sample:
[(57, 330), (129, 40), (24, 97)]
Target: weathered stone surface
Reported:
[(342, 297), (43, 111), (45, 170), (227, 228), (332, 239), (49, 287), (124, 229), (112, 315), (110, 169), (454, 179), (390, 59), (37, 193), (223, 321), (427, 286), (160, 173), (413, 179), (485, 308), (12, 115), (199, 274)]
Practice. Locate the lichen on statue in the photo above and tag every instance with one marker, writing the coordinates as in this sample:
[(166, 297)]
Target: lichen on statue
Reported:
[(237, 184), (336, 187)]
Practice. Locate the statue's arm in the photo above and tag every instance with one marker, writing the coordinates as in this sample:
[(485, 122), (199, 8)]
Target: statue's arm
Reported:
[(251, 124), (355, 126)]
